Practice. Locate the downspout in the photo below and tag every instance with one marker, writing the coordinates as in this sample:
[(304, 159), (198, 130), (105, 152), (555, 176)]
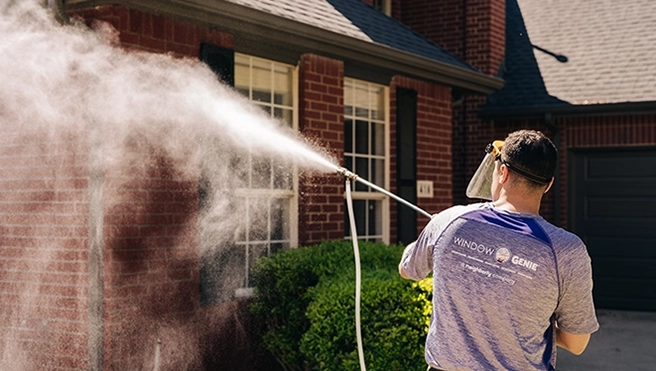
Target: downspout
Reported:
[(59, 7), (95, 230), (96, 249), (548, 121), (463, 109)]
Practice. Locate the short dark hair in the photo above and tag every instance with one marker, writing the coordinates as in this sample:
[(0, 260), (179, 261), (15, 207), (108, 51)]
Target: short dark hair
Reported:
[(530, 154)]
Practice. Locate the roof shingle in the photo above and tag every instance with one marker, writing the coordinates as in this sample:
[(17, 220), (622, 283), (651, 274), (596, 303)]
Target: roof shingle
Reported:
[(358, 20), (609, 46)]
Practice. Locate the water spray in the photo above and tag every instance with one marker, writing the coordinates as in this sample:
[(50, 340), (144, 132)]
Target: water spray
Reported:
[(350, 176)]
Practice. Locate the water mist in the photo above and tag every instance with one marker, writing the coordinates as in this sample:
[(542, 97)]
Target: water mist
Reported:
[(102, 152)]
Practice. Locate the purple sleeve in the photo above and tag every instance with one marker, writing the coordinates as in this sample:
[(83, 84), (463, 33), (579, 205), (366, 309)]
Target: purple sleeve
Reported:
[(417, 260), (575, 312)]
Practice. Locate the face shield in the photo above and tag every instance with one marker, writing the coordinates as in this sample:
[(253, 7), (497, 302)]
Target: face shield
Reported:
[(480, 185)]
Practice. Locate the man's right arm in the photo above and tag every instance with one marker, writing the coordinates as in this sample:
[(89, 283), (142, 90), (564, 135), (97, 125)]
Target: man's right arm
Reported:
[(575, 343), (402, 271)]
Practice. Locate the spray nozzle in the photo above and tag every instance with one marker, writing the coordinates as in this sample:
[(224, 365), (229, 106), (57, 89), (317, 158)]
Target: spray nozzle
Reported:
[(346, 173)]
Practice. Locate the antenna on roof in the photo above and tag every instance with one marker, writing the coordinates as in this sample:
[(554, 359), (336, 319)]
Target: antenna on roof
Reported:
[(559, 57)]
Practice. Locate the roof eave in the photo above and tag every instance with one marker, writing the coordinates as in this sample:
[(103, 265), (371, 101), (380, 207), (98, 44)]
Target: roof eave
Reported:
[(252, 26)]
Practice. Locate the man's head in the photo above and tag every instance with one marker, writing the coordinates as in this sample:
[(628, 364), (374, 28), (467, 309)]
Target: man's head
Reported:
[(528, 159)]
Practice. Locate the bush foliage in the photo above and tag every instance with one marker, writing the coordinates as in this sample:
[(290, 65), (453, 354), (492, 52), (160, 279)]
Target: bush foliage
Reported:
[(306, 299)]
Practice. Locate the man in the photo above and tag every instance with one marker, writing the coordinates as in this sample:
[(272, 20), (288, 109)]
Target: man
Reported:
[(508, 286)]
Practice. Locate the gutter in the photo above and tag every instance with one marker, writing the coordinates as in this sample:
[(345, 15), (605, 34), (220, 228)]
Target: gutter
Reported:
[(256, 30), (565, 110)]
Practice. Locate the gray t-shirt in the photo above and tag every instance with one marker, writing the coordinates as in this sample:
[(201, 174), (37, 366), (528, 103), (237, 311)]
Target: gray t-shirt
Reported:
[(500, 281)]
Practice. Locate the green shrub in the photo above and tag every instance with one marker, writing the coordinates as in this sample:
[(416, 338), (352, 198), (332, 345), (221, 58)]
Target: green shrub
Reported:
[(393, 325), (305, 299)]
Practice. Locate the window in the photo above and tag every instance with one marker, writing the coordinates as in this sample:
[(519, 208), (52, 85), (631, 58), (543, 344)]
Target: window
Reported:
[(366, 154), (270, 198), (266, 203)]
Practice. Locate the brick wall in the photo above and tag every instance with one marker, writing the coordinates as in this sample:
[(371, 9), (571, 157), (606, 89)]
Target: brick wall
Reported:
[(442, 21), (99, 265), (155, 33), (485, 34), (150, 260), (43, 250), (473, 30), (433, 146), (321, 117)]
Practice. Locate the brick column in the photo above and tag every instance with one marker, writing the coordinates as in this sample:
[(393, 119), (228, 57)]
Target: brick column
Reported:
[(473, 30), (321, 101)]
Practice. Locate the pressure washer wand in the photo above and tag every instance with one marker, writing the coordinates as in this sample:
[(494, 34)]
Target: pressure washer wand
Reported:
[(350, 175)]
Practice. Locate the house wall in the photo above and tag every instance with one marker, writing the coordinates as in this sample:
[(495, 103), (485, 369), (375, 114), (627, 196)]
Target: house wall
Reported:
[(99, 264), (321, 202), (321, 120), (44, 213), (473, 30), (434, 146), (136, 305)]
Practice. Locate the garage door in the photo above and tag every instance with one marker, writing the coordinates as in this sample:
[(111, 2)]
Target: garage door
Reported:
[(612, 207)]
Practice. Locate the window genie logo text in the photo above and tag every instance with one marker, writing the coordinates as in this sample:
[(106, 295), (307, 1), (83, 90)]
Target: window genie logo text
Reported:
[(473, 246)]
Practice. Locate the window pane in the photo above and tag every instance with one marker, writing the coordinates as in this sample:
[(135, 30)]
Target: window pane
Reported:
[(279, 217), (239, 167), (348, 136), (261, 172), (377, 104), (282, 85), (360, 213), (242, 78), (349, 163), (262, 79), (254, 253), (361, 112), (375, 226), (348, 98), (362, 169), (284, 115), (378, 139), (243, 92), (258, 223), (378, 172), (361, 137), (261, 96), (282, 175)]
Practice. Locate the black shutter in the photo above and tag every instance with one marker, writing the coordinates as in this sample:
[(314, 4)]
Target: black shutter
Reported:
[(220, 60), (406, 163)]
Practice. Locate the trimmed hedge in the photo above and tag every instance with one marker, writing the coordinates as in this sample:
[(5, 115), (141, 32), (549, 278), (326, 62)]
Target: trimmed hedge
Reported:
[(305, 297)]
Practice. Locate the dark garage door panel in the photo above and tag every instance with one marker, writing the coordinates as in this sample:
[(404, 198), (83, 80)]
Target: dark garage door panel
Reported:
[(613, 209)]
